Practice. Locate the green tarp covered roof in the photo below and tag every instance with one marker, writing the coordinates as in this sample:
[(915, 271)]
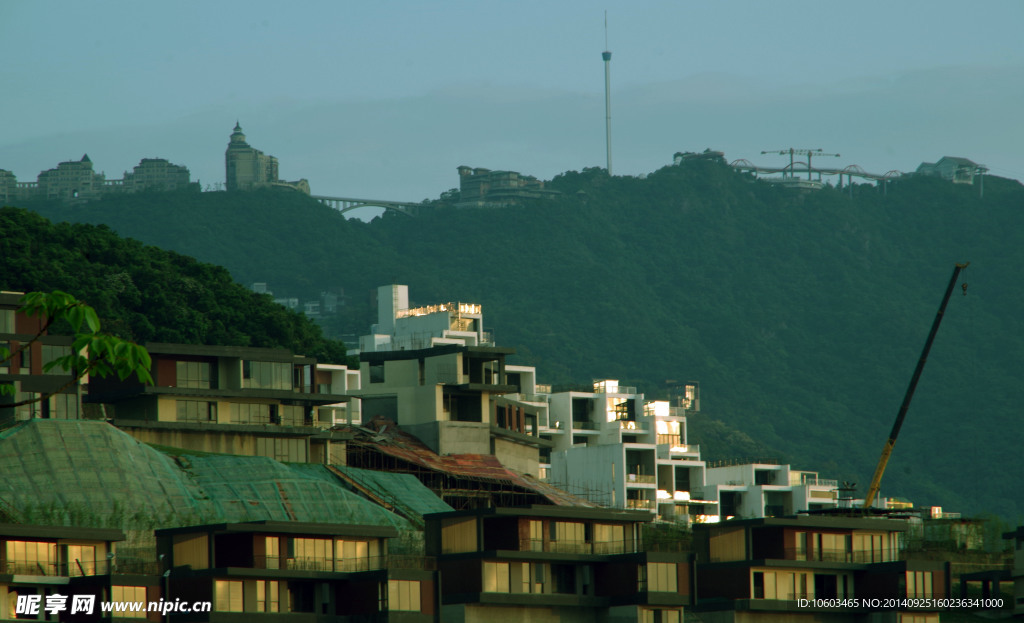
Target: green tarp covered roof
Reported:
[(89, 473)]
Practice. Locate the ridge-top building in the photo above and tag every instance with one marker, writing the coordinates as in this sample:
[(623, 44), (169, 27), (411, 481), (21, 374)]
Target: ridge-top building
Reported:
[(247, 168)]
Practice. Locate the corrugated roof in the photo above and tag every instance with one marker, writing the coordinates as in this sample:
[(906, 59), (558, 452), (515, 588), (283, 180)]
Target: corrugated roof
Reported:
[(89, 473), (386, 437), (403, 492)]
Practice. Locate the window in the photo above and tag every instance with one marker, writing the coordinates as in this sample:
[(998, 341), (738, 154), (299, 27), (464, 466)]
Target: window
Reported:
[(61, 407), (6, 321), (266, 375), (268, 596), (31, 558), (404, 595), (661, 577), (51, 353), (660, 616), (272, 546), (496, 577), (292, 415), (758, 585), (228, 596), (197, 411), (128, 595), (311, 554), (919, 584), (376, 372), (80, 559), (245, 413), (193, 374), (536, 536), (356, 555)]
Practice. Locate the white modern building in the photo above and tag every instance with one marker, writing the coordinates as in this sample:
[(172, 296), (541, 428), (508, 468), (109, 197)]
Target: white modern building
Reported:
[(338, 379), (400, 327)]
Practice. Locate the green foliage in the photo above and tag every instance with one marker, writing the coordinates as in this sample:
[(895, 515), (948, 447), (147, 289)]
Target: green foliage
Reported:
[(147, 294), (802, 314), (92, 352)]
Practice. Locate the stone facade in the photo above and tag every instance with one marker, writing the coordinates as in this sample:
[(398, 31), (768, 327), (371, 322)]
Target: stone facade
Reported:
[(247, 168), (75, 181)]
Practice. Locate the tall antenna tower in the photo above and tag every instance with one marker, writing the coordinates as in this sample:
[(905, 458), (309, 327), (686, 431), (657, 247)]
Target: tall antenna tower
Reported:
[(607, 56)]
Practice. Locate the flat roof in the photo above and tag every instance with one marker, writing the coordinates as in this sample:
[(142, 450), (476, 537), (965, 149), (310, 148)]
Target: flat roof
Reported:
[(444, 349), (554, 512), (288, 527), (244, 352), (32, 531), (813, 521)]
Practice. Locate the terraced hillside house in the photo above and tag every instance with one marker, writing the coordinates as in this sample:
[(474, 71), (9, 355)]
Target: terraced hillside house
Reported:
[(24, 369), (761, 569), (37, 562), (227, 399), (547, 564), (288, 571)]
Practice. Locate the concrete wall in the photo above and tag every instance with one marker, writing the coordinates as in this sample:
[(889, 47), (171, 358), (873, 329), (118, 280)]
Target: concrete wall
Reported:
[(517, 456), (595, 470)]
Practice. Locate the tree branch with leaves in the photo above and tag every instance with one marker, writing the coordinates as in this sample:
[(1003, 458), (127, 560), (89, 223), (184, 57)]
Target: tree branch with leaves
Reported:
[(92, 352)]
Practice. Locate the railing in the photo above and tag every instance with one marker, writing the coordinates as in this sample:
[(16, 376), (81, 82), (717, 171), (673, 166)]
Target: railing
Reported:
[(317, 563), (641, 479), (577, 547), (528, 397), (584, 425), (640, 504), (621, 389), (745, 461), (840, 555), (796, 479), (631, 425), (78, 568)]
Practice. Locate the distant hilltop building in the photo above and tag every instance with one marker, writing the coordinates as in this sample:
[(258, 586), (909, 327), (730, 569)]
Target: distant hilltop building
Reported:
[(248, 168), (75, 181), (956, 170), (485, 188), (688, 156)]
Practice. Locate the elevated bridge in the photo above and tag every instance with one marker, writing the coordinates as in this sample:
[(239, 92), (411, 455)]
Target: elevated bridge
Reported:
[(796, 168), (346, 204)]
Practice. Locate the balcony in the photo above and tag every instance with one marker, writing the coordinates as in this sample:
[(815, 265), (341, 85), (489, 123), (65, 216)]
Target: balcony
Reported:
[(323, 564), (578, 547), (641, 479), (80, 568), (646, 505), (577, 425), (629, 425), (798, 478), (841, 555)]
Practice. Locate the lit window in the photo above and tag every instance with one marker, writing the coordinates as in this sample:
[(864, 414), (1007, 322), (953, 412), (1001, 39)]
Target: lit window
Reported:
[(228, 596), (128, 595), (404, 595)]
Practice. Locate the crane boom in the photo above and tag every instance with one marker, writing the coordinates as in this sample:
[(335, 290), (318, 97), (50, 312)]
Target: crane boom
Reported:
[(876, 480)]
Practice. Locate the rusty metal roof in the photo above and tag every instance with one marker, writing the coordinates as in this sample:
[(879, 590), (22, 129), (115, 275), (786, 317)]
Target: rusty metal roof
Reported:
[(386, 437)]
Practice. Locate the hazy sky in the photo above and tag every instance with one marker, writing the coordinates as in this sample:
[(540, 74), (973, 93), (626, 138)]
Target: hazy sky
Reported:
[(386, 99)]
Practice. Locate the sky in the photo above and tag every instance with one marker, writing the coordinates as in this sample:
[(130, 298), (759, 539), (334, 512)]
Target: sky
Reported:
[(384, 100)]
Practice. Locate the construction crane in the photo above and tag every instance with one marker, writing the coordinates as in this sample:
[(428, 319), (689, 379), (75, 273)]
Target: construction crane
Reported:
[(876, 480), (800, 152)]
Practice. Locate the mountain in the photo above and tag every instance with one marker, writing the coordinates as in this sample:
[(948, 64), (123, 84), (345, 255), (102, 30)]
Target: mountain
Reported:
[(802, 314), (147, 294)]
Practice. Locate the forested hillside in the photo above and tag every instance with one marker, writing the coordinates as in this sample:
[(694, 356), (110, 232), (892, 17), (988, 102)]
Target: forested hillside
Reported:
[(802, 314), (147, 294)]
